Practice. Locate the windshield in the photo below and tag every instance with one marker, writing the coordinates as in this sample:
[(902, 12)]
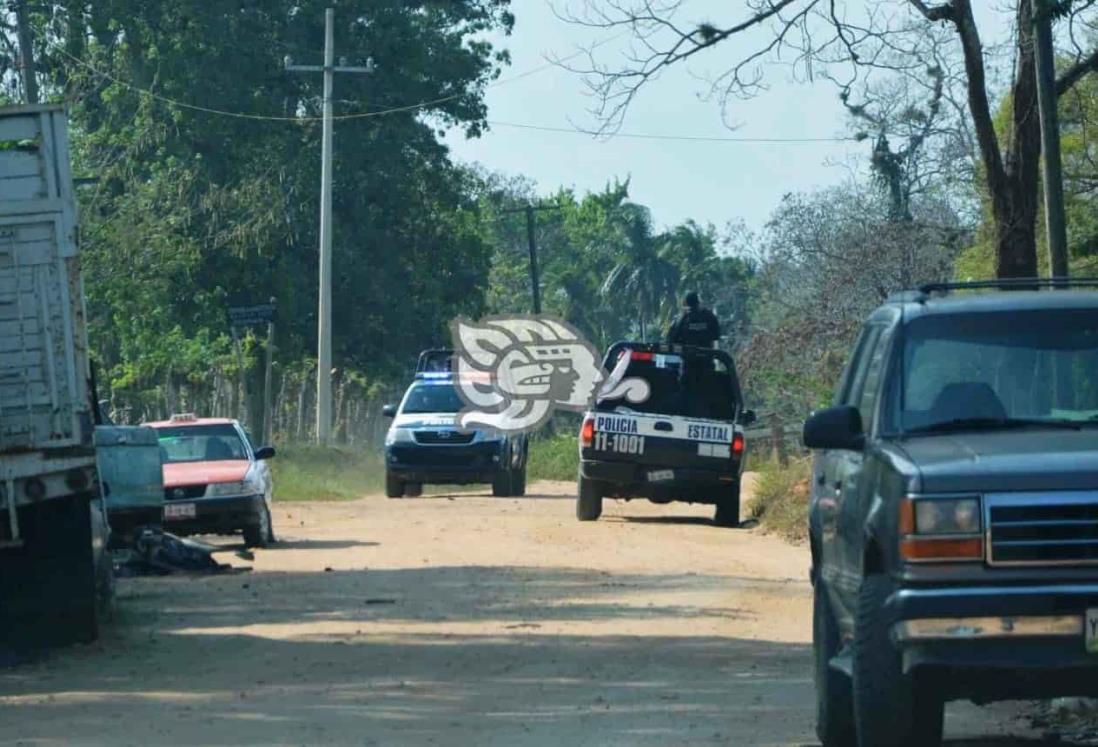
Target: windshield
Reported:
[(704, 389), (200, 443), (432, 398), (985, 370)]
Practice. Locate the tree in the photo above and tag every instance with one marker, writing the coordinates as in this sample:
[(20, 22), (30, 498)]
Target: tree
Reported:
[(207, 158), (849, 44), (643, 277)]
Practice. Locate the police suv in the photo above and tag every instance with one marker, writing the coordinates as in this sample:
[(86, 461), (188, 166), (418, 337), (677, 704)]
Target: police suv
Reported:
[(426, 445), (684, 442)]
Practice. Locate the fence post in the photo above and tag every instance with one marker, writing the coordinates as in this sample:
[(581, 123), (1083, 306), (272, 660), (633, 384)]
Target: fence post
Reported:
[(777, 442)]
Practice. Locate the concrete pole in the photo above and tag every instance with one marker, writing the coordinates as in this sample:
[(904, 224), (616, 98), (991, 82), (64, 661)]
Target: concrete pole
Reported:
[(535, 280), (268, 381), (324, 319), (1055, 221)]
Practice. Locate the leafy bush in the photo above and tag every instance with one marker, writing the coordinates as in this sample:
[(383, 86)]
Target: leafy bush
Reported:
[(316, 473), (781, 498), (554, 458)]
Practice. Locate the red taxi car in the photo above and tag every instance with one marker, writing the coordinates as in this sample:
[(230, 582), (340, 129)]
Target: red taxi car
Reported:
[(215, 481)]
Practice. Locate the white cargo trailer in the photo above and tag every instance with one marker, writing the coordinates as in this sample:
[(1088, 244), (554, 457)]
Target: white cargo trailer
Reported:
[(51, 528)]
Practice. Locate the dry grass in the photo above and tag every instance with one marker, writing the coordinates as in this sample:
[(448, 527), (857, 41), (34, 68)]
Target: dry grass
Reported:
[(781, 498)]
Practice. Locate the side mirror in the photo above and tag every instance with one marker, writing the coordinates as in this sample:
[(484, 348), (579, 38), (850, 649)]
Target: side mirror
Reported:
[(389, 411), (835, 428), (748, 417), (264, 452)]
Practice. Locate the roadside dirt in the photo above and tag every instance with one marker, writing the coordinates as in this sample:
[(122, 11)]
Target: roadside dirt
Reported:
[(458, 619)]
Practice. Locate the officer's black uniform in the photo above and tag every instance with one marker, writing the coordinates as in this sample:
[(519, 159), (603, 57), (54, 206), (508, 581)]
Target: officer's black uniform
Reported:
[(697, 326)]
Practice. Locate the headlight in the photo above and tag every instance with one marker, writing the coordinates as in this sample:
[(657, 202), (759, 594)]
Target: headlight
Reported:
[(250, 485), (960, 516), (940, 530), (397, 435)]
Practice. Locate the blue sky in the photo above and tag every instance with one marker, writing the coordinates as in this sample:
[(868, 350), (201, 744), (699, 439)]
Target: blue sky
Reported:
[(710, 182)]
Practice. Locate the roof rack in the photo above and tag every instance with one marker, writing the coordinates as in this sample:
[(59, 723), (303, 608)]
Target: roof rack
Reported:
[(1010, 284)]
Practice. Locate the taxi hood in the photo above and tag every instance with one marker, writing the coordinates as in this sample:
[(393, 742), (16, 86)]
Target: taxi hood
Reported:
[(204, 473)]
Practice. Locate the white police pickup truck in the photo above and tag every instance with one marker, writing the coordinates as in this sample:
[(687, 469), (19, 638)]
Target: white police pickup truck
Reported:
[(683, 443)]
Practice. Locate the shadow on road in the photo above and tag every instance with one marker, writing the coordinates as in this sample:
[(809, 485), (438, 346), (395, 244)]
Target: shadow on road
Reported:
[(417, 655)]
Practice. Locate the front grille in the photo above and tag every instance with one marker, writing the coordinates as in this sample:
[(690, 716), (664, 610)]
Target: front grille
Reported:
[(444, 437), (468, 457), (185, 492), (1043, 529)]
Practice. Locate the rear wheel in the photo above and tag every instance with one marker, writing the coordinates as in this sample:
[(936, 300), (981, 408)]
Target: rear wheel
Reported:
[(589, 500), (728, 506), (394, 488), (413, 489), (501, 484), (834, 696), (890, 708), (50, 586), (518, 482)]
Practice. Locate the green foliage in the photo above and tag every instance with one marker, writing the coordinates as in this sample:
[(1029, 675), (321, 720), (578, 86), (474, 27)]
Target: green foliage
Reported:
[(555, 458), (781, 498), (312, 473), (195, 211)]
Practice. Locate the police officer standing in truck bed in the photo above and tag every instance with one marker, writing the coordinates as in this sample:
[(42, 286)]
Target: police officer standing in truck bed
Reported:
[(697, 326)]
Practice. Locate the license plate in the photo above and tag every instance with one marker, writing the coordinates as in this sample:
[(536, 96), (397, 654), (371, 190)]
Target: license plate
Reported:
[(1091, 629), (661, 475), (174, 511)]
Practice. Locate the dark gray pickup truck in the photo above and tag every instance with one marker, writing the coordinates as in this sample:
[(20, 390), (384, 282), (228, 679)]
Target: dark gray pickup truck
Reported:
[(954, 512)]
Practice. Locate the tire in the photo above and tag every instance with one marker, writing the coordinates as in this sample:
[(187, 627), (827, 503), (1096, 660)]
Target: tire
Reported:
[(518, 482), (413, 489), (728, 506), (890, 708), (51, 585), (501, 484), (394, 488), (259, 535), (834, 691), (589, 500)]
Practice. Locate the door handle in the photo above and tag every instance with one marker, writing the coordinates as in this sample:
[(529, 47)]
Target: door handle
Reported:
[(664, 425)]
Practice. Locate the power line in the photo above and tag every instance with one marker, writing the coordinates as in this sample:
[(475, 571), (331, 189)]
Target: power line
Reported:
[(271, 118), (683, 138)]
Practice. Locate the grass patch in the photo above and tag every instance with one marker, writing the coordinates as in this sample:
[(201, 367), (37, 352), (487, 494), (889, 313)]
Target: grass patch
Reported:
[(781, 498), (555, 458), (316, 473)]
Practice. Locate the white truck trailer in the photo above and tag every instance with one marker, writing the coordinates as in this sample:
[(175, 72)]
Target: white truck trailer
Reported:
[(52, 528)]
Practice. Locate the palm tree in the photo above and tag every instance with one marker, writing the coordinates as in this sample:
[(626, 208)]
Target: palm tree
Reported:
[(643, 275)]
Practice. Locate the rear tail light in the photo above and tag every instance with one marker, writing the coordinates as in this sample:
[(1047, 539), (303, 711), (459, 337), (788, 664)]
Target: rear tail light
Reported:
[(637, 355), (587, 432), (737, 444)]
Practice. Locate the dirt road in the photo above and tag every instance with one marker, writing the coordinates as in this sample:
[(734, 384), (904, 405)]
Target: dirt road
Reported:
[(457, 620)]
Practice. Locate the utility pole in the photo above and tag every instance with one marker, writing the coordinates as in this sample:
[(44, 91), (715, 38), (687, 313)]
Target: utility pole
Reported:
[(268, 380), (535, 279), (535, 275), (26, 51), (1050, 139), (324, 320)]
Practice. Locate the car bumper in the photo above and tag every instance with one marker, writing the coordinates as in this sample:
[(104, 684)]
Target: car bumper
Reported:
[(687, 483), (472, 463), (999, 642), (217, 515)]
